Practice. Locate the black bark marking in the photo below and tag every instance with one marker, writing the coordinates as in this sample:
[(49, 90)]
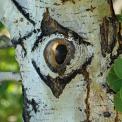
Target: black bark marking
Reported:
[(50, 26), (106, 114), (72, 1), (109, 29), (88, 81), (23, 12), (79, 108), (119, 51), (104, 28), (34, 105), (26, 112), (107, 88), (26, 36), (27, 103), (91, 8), (20, 41), (109, 35), (58, 84), (116, 34), (56, 4), (87, 103)]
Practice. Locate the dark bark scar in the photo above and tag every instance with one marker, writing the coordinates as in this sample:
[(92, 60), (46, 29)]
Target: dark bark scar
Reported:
[(88, 82), (104, 30), (109, 35), (117, 117)]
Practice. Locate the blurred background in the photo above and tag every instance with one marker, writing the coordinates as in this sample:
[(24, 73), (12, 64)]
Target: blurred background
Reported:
[(11, 91)]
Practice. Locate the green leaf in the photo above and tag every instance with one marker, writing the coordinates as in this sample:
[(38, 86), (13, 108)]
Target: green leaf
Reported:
[(119, 17), (113, 81), (118, 102), (118, 67), (121, 93)]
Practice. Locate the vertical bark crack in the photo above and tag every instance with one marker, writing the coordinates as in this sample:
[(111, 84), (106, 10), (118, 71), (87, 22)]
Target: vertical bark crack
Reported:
[(87, 110), (88, 82)]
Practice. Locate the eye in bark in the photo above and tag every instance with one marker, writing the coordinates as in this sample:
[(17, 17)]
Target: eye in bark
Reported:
[(58, 53)]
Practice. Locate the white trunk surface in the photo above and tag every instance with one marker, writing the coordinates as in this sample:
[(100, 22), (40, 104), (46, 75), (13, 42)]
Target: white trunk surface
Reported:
[(85, 98)]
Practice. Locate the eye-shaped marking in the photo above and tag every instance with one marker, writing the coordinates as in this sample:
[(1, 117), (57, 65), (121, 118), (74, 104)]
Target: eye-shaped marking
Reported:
[(50, 26), (66, 54), (58, 54)]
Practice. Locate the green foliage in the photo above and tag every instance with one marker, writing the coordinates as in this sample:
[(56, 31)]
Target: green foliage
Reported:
[(10, 102), (121, 93), (10, 92), (119, 17), (114, 80), (1, 26), (7, 60), (118, 68), (118, 102)]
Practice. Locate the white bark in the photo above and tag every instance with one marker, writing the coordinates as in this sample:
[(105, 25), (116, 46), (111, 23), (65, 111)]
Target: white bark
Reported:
[(118, 6), (13, 19), (83, 98)]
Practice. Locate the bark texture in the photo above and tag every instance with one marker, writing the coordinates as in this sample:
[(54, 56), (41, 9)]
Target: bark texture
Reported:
[(80, 93)]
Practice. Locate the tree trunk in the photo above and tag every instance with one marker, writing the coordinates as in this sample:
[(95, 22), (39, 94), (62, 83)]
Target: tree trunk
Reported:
[(75, 90)]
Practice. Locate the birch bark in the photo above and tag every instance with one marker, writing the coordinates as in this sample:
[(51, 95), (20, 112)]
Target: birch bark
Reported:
[(80, 94)]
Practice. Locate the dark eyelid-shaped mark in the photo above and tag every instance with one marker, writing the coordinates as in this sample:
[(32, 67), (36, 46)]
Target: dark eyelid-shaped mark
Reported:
[(50, 26), (58, 84)]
